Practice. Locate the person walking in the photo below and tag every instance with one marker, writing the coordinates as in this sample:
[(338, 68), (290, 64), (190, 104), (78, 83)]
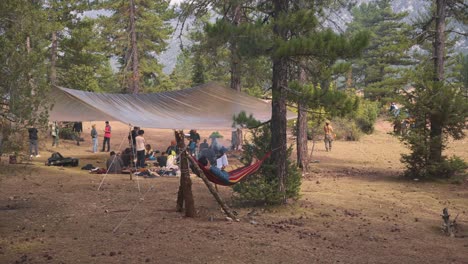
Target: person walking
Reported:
[(107, 136), (33, 151), (329, 136), (140, 149), (94, 138)]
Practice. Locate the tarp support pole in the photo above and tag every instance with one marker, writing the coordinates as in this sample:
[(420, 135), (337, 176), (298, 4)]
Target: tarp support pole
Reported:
[(185, 188)]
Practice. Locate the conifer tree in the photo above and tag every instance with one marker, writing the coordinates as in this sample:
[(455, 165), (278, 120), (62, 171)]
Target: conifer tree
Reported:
[(82, 63), (379, 69), (437, 106), (23, 82), (225, 32), (24, 28), (274, 33), (76, 58), (136, 32)]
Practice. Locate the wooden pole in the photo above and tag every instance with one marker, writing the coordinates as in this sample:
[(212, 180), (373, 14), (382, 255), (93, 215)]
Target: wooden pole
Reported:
[(185, 194), (218, 198)]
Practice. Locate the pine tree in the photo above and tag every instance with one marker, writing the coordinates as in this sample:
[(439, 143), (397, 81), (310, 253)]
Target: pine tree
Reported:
[(82, 64), (24, 26), (379, 70), (437, 106), (136, 32), (23, 83), (274, 33), (232, 16)]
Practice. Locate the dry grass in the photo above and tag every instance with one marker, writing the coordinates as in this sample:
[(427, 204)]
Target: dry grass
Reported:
[(354, 209)]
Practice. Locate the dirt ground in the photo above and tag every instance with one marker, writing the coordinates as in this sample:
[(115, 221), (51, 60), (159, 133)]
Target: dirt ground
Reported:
[(354, 208)]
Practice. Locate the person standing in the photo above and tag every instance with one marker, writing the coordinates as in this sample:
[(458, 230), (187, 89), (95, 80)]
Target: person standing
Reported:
[(55, 134), (94, 138), (195, 138), (107, 136), (140, 149), (78, 128), (329, 136), (132, 137), (33, 151)]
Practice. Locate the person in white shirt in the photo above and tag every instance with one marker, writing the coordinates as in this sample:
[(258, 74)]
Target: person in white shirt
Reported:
[(140, 149)]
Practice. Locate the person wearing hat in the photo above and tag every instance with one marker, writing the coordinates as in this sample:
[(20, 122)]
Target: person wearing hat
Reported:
[(329, 136), (107, 136)]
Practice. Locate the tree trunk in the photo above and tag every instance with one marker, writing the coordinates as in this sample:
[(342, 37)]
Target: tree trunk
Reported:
[(349, 78), (302, 137), (235, 67), (53, 59), (135, 81), (235, 57), (278, 104), (185, 194), (301, 128), (436, 146), (30, 78)]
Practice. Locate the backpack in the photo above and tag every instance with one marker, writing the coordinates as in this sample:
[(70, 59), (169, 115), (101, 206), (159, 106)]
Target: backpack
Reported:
[(56, 159)]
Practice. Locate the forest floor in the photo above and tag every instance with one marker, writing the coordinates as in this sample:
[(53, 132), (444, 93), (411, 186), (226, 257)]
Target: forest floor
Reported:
[(354, 208)]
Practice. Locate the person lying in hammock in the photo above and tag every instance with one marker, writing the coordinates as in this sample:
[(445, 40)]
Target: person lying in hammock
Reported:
[(220, 173)]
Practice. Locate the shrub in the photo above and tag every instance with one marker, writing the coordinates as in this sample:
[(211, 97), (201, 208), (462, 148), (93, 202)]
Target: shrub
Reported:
[(346, 129), (67, 133), (366, 116), (262, 187)]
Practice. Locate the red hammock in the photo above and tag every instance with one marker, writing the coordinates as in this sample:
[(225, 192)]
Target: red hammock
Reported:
[(234, 176)]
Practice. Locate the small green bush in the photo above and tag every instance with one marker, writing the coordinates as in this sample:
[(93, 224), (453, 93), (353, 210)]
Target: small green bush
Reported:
[(366, 116), (216, 134), (67, 133), (346, 129), (448, 168), (262, 187)]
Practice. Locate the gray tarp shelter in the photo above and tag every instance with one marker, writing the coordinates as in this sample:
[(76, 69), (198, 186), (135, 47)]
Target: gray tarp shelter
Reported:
[(208, 106)]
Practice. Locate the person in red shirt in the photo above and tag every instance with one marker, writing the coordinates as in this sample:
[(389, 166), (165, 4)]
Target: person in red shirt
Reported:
[(107, 136)]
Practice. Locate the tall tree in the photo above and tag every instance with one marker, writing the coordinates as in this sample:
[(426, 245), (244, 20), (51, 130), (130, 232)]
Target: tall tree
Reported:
[(224, 34), (23, 83), (437, 105), (24, 26), (322, 45), (379, 70), (273, 33), (136, 32), (278, 102), (442, 9), (76, 57), (82, 63)]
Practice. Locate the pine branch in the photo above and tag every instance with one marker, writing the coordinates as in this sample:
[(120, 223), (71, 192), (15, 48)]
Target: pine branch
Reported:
[(457, 32)]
